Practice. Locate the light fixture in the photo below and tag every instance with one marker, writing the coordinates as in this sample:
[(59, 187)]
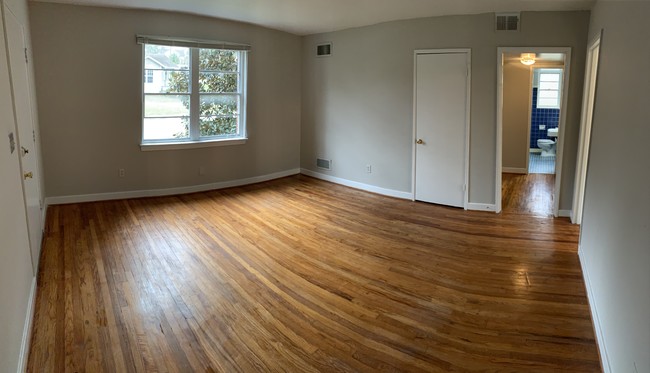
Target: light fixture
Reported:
[(527, 58)]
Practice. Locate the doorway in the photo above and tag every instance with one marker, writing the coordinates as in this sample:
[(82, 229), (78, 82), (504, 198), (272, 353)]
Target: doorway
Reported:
[(441, 126), (589, 97), (531, 112)]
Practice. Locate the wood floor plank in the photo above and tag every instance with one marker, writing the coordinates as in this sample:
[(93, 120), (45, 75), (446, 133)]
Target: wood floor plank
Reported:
[(302, 275)]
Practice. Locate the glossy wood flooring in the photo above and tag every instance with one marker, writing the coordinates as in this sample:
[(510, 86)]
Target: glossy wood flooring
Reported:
[(530, 194), (300, 275)]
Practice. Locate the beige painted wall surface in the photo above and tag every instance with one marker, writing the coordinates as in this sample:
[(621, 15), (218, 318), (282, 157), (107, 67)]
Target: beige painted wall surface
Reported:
[(516, 111), (615, 234), (357, 105), (88, 70), (15, 262)]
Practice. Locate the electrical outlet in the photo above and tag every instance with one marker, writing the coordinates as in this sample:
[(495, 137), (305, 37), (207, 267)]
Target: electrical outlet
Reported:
[(368, 169), (542, 127), (121, 172)]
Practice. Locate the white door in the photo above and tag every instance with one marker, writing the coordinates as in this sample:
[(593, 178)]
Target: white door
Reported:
[(441, 127), (26, 134)]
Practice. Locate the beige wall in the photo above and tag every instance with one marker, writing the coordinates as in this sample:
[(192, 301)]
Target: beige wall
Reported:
[(357, 105), (88, 69), (516, 114), (16, 273), (615, 234)]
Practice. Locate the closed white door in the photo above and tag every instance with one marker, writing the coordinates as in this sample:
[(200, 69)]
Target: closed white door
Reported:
[(441, 127), (26, 134)]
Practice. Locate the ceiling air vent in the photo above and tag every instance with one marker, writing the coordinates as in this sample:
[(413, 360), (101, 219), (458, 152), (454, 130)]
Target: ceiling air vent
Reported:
[(324, 50), (507, 21), (325, 164)]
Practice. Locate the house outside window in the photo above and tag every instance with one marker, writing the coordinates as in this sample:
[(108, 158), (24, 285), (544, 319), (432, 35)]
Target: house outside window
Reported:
[(193, 94)]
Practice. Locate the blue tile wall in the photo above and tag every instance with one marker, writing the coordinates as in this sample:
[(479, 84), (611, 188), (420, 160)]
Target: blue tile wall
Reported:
[(549, 117)]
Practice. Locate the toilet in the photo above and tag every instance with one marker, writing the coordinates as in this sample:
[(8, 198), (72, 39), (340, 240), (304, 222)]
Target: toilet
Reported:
[(547, 146)]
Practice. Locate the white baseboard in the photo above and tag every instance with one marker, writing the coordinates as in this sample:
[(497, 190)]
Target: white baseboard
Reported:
[(357, 185), (169, 191), (481, 207), (27, 329), (600, 338), (564, 213), (514, 170)]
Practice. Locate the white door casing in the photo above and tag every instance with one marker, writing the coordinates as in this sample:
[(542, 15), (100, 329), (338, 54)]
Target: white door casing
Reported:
[(589, 96), (441, 126), (26, 135)]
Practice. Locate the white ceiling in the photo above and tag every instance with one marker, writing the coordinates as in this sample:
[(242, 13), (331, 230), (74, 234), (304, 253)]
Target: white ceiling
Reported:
[(305, 17)]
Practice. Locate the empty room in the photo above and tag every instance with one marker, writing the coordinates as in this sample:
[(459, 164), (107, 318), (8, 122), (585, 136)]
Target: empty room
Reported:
[(321, 186)]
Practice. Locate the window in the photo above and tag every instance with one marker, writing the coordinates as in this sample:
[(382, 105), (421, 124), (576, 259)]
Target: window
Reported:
[(194, 93), (148, 76), (549, 88)]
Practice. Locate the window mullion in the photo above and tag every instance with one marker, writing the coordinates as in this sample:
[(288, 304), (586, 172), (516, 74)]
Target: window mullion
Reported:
[(195, 105)]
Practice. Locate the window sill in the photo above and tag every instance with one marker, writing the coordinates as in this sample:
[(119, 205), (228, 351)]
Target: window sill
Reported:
[(154, 146)]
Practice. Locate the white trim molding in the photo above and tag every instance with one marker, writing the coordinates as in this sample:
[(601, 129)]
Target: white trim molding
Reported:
[(27, 329), (358, 185), (600, 338), (169, 191), (514, 170), (481, 207)]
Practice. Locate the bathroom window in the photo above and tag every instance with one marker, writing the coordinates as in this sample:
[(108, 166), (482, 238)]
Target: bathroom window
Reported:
[(549, 89)]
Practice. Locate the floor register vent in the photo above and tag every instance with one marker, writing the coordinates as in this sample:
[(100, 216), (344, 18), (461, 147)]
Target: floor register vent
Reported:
[(325, 164)]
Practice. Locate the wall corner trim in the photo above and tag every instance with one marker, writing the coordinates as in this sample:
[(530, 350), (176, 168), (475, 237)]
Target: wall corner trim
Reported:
[(27, 329), (169, 191), (358, 185), (481, 207), (598, 330)]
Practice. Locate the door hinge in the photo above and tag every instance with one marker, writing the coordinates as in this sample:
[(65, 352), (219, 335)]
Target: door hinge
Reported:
[(26, 58), (34, 136)]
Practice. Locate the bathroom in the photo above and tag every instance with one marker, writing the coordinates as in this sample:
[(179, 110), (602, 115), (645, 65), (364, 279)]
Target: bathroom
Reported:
[(544, 119)]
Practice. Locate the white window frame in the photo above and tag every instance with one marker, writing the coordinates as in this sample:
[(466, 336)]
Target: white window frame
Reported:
[(195, 140), (549, 71)]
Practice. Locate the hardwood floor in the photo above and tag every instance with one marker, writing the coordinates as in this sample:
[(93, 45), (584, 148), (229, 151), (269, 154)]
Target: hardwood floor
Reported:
[(301, 275), (530, 194)]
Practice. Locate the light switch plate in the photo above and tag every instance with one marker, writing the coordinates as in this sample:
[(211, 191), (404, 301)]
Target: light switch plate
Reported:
[(12, 143)]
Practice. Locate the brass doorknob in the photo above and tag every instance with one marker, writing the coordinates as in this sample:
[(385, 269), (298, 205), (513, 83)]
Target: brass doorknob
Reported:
[(28, 175), (419, 141)]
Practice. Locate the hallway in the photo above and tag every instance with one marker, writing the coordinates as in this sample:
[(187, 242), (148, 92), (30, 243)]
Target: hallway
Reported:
[(530, 194)]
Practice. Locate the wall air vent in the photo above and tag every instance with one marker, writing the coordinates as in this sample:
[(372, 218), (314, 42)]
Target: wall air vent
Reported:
[(507, 21), (324, 50), (325, 164)]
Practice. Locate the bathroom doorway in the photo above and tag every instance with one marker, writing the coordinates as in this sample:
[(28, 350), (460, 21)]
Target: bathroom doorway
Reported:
[(531, 101)]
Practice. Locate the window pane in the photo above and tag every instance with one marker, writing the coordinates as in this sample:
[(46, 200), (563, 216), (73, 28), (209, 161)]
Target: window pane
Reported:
[(166, 128), (166, 81), (548, 94), (549, 77), (219, 126), (547, 103), (165, 57), (549, 85), (166, 105), (218, 60), (218, 82), (219, 105)]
